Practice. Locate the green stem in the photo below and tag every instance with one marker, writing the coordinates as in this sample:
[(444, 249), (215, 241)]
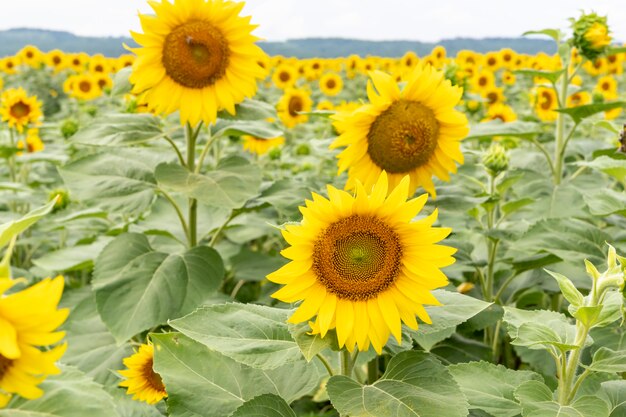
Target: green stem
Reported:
[(505, 284), (571, 365), (178, 210), (326, 364), (219, 231), (205, 151), (191, 137), (372, 371), (544, 151), (346, 363), (495, 345), (577, 385), (577, 173), (559, 149), (181, 159)]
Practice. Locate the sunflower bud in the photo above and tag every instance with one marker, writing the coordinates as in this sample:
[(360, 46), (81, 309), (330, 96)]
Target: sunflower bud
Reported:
[(591, 35), (496, 159), (63, 198), (613, 277), (69, 128)]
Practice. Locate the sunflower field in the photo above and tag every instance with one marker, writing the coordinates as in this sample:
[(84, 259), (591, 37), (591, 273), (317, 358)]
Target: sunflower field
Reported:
[(198, 229)]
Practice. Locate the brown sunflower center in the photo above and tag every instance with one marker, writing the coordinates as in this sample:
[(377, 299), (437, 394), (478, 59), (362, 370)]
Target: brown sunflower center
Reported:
[(482, 81), (20, 109), (195, 54), (491, 61), (56, 60), (546, 103), (403, 137), (5, 364), (295, 106), (284, 76), (84, 86), (492, 97), (331, 83), (357, 257), (605, 86), (152, 378)]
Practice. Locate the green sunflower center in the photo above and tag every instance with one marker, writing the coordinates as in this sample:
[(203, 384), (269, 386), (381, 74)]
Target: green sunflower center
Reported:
[(5, 364), (195, 54), (20, 109), (357, 257), (403, 137)]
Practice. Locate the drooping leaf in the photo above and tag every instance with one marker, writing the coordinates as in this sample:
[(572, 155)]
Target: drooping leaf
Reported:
[(309, 344), (72, 258), (613, 167), (579, 113), (497, 128), (605, 201), (608, 360), (254, 335), (137, 287), (266, 405), (121, 129), (15, 227), (257, 128)]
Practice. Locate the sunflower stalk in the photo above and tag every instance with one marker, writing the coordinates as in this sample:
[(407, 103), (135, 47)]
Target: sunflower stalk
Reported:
[(561, 143), (191, 136)]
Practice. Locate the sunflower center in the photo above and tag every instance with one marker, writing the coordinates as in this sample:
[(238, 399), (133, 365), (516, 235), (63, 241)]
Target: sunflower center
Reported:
[(295, 106), (84, 86), (482, 81), (284, 76), (331, 83), (56, 60), (547, 101), (403, 137), (195, 54), (357, 257), (5, 364), (20, 109), (151, 377)]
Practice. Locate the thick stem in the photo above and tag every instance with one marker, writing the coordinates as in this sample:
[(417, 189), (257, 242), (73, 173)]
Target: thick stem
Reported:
[(372, 371), (347, 363), (192, 223), (569, 373)]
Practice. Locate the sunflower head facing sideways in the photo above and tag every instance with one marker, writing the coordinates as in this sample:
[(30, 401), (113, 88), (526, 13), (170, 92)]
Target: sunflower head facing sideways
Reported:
[(360, 264), (141, 381), (414, 132), (196, 56), (29, 319), (291, 106)]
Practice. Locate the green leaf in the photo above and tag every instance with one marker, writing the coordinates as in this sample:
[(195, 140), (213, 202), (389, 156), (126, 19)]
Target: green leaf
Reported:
[(15, 227), (90, 345), (553, 33), (69, 394), (494, 393), (613, 167), (309, 344), (121, 82), (513, 206), (536, 400), (257, 128), (568, 289), (497, 128), (254, 335), (138, 288), (588, 315), (254, 266), (113, 182), (230, 185), (414, 385), (250, 110), (579, 113), (121, 129), (608, 360), (605, 201), (456, 309), (266, 405), (72, 258), (614, 393), (189, 368), (551, 76)]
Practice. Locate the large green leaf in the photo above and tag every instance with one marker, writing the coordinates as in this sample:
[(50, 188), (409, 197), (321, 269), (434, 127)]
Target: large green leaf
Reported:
[(605, 201), (70, 394), (113, 182), (614, 393), (72, 258), (90, 345), (15, 227), (201, 382), (120, 129), (138, 288), (497, 128), (250, 110), (552, 76), (230, 185), (254, 266), (536, 400), (456, 309), (613, 167), (266, 405), (254, 335), (490, 387), (414, 385), (608, 360), (579, 113), (257, 128)]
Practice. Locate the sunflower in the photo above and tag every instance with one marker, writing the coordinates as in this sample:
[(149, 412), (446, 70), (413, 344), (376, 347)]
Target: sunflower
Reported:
[(28, 319), (500, 111), (508, 78), (125, 60), (409, 60), (291, 104), (196, 56), (18, 109), (492, 61), (507, 57), (545, 104), (331, 84), (104, 81), (78, 61), (84, 87), (579, 98), (141, 380), (285, 76), (10, 64), (260, 146), (31, 56), (439, 53), (325, 105), (415, 132), (32, 143), (607, 86), (493, 94), (361, 266), (56, 60), (98, 63), (483, 80)]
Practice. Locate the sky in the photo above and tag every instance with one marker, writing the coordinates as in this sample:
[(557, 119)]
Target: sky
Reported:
[(423, 20)]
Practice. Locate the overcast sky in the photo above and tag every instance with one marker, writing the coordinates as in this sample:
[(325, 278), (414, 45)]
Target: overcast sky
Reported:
[(425, 20)]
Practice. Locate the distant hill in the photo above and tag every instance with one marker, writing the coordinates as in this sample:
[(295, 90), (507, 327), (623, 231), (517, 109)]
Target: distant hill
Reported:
[(13, 40)]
